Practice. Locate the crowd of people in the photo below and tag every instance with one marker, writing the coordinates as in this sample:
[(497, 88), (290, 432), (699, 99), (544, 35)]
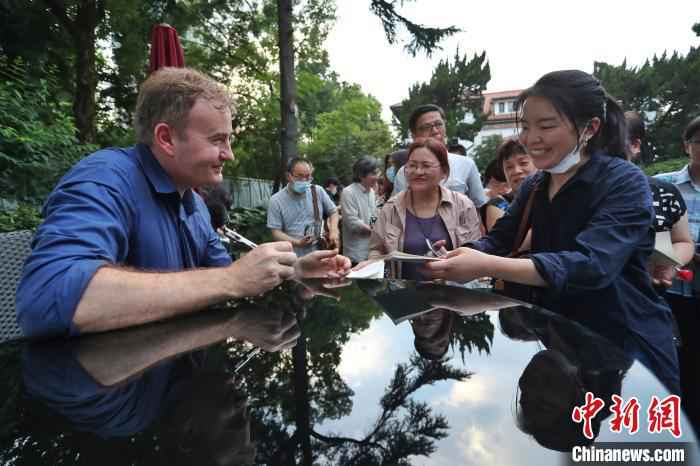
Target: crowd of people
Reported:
[(566, 221)]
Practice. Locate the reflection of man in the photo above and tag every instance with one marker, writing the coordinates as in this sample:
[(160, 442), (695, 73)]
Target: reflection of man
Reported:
[(291, 215), (123, 224), (429, 121)]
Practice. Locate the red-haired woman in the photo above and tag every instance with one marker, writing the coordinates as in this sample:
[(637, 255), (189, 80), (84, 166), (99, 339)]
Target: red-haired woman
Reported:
[(426, 210)]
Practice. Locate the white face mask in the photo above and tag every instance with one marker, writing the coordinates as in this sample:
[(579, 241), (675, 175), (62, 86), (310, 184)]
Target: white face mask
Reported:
[(570, 159)]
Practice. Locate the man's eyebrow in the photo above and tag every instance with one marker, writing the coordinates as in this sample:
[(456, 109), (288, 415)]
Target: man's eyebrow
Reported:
[(218, 135)]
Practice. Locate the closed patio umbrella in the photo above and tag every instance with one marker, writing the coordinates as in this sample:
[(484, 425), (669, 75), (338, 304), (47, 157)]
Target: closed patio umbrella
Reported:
[(165, 48)]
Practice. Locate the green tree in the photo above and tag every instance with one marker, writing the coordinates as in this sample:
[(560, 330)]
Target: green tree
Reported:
[(485, 152), (354, 129), (665, 90), (37, 135), (422, 38), (457, 87)]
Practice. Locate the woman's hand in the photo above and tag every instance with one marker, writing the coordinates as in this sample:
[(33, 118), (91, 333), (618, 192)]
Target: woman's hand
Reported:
[(461, 265), (662, 275)]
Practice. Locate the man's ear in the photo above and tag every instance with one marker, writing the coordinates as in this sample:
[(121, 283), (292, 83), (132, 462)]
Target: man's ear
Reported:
[(163, 135)]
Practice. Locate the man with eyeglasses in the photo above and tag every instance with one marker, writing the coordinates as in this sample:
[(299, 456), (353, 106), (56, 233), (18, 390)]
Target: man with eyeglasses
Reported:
[(429, 121), (291, 215)]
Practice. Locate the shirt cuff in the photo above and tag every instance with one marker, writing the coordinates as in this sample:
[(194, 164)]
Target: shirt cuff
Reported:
[(76, 281)]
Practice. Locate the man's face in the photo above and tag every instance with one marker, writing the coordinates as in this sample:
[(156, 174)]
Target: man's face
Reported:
[(203, 147), (431, 125), (301, 172), (692, 148)]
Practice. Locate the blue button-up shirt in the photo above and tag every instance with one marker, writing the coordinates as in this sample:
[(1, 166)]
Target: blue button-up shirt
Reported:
[(118, 207), (691, 195), (590, 243)]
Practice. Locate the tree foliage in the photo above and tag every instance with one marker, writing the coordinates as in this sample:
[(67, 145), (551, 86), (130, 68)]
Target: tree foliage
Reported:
[(485, 152), (37, 135), (456, 85), (351, 130), (422, 38), (665, 90)]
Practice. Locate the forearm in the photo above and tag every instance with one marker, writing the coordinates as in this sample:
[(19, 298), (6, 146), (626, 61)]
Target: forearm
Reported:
[(684, 251), (118, 297), (113, 357), (514, 270), (333, 223), (279, 235)]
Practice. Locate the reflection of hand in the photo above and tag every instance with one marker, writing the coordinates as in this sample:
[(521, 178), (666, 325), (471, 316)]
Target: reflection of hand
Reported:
[(462, 264), (662, 275), (322, 264), (269, 329), (322, 287), (263, 268)]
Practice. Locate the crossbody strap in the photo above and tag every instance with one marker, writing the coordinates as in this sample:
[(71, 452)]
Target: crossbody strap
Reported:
[(524, 221), (314, 196)]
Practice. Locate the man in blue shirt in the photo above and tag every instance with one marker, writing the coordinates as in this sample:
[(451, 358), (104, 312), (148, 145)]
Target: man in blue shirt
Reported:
[(124, 235)]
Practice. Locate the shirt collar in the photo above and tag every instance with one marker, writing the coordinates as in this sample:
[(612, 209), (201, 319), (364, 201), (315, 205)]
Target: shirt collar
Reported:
[(154, 172), (684, 175), (159, 179)]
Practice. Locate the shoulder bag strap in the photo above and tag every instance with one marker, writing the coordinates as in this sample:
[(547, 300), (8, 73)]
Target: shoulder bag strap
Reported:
[(524, 221), (314, 196)]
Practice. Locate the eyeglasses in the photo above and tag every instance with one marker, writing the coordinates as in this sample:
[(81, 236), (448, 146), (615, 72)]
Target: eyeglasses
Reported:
[(302, 177), (429, 126), (414, 167), (695, 142)]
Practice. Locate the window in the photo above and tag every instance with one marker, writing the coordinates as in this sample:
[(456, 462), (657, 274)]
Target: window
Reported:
[(501, 107)]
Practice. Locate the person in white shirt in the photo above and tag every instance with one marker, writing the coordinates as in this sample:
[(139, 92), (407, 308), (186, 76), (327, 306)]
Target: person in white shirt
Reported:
[(429, 121), (359, 205)]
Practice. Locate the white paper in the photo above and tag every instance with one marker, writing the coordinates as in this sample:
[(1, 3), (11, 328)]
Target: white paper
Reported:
[(372, 270)]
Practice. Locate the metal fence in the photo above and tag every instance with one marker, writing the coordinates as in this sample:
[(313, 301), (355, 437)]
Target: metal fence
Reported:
[(249, 192)]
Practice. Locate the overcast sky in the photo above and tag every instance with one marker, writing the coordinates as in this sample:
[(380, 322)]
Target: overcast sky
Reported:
[(523, 39)]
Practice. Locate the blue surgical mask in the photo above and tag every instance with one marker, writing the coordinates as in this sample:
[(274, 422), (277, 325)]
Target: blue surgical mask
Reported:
[(300, 187), (391, 173)]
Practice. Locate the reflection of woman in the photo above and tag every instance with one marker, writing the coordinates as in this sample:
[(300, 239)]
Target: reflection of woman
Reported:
[(432, 333), (557, 378), (426, 211), (590, 213)]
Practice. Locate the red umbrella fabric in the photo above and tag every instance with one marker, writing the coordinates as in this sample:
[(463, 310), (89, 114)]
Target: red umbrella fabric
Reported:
[(165, 48)]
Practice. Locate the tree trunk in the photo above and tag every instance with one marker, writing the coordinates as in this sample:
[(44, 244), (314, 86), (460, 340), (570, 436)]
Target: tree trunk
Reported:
[(84, 105), (82, 27), (288, 88)]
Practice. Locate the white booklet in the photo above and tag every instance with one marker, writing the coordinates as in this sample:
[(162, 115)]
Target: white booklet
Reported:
[(374, 269), (405, 257), (663, 253)]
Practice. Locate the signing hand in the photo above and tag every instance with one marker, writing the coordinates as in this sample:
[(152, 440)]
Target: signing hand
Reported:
[(461, 265), (322, 264), (262, 269)]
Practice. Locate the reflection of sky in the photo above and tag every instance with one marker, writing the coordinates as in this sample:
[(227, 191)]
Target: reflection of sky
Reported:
[(480, 410)]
